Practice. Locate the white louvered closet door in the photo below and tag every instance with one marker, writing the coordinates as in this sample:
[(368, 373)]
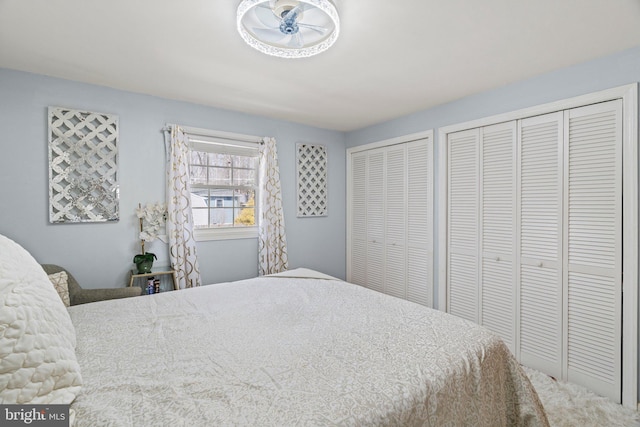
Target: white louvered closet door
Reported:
[(540, 243), (593, 252), (497, 228), (358, 221), (391, 220), (463, 189), (420, 223), (375, 264), (396, 221), (535, 239)]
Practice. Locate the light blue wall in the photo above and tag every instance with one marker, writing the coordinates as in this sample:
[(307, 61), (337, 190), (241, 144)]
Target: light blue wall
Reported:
[(100, 255), (604, 73)]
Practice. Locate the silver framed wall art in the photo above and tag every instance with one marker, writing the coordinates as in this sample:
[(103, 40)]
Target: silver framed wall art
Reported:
[(311, 176), (83, 166)]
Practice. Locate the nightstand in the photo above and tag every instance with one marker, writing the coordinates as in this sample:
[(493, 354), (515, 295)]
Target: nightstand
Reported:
[(155, 272)]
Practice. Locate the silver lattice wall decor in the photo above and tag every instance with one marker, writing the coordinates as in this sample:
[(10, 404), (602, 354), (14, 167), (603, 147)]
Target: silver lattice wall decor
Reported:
[(312, 180), (83, 166)]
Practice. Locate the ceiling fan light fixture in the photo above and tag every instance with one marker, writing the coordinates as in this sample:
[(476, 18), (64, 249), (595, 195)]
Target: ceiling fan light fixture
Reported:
[(288, 28)]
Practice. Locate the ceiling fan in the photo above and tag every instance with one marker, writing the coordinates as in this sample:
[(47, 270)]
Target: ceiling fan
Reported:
[(288, 28)]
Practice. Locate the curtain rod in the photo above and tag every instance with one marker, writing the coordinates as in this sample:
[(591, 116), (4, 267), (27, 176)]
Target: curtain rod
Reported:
[(216, 134)]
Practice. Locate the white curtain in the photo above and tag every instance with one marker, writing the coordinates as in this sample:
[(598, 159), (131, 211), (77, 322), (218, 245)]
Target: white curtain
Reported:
[(272, 242), (182, 245)]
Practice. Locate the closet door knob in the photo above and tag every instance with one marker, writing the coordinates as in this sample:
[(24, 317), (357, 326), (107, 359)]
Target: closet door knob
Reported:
[(540, 264)]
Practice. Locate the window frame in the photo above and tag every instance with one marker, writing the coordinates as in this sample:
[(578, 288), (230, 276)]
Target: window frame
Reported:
[(226, 143)]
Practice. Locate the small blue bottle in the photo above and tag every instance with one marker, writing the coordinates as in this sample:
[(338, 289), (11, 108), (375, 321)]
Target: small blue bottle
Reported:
[(150, 288)]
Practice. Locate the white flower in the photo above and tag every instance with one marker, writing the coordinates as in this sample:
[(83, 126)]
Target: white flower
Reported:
[(153, 218), (146, 237)]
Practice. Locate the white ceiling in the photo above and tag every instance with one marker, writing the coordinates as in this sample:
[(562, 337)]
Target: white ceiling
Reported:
[(392, 57)]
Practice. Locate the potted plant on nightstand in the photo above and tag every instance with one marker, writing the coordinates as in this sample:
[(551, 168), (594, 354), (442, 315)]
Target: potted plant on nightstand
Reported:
[(152, 218)]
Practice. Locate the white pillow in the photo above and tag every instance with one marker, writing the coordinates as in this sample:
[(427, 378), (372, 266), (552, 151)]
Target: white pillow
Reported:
[(60, 282), (38, 363)]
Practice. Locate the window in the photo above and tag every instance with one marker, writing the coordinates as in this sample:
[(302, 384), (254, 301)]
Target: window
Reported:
[(224, 187)]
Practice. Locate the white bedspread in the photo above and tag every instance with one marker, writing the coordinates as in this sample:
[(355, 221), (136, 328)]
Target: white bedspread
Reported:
[(288, 351)]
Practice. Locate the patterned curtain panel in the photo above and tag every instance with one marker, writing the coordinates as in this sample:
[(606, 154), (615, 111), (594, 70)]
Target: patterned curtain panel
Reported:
[(182, 245), (272, 242)]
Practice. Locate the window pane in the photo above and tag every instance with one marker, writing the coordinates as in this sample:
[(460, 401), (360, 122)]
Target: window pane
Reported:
[(244, 162), (244, 177), (219, 176), (198, 158), (198, 174), (200, 217), (224, 206), (199, 197), (221, 202), (245, 208), (216, 159), (224, 194), (200, 207), (221, 217)]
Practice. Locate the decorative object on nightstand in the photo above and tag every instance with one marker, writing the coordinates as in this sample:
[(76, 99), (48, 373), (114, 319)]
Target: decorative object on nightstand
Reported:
[(144, 262), (153, 278), (152, 218)]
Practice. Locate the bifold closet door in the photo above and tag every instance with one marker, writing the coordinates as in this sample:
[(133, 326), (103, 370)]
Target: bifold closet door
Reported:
[(358, 222), (367, 228), (391, 220), (593, 251), (540, 243), (535, 239), (482, 194), (395, 225), (497, 229), (408, 222), (375, 221), (463, 245), (420, 222), (367, 220)]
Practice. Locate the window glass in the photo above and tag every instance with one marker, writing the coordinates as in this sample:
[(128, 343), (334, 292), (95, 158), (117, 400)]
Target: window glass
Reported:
[(223, 189)]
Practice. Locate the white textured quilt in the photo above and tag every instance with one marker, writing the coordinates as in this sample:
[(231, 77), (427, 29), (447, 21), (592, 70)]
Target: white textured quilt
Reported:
[(285, 351)]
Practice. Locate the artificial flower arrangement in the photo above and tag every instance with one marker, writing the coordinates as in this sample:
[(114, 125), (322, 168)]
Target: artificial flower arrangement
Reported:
[(152, 217)]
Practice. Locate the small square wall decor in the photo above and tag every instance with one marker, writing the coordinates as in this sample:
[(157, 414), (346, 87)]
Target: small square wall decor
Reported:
[(83, 166), (311, 175)]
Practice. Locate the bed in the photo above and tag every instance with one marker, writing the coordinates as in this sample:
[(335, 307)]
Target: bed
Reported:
[(298, 348)]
